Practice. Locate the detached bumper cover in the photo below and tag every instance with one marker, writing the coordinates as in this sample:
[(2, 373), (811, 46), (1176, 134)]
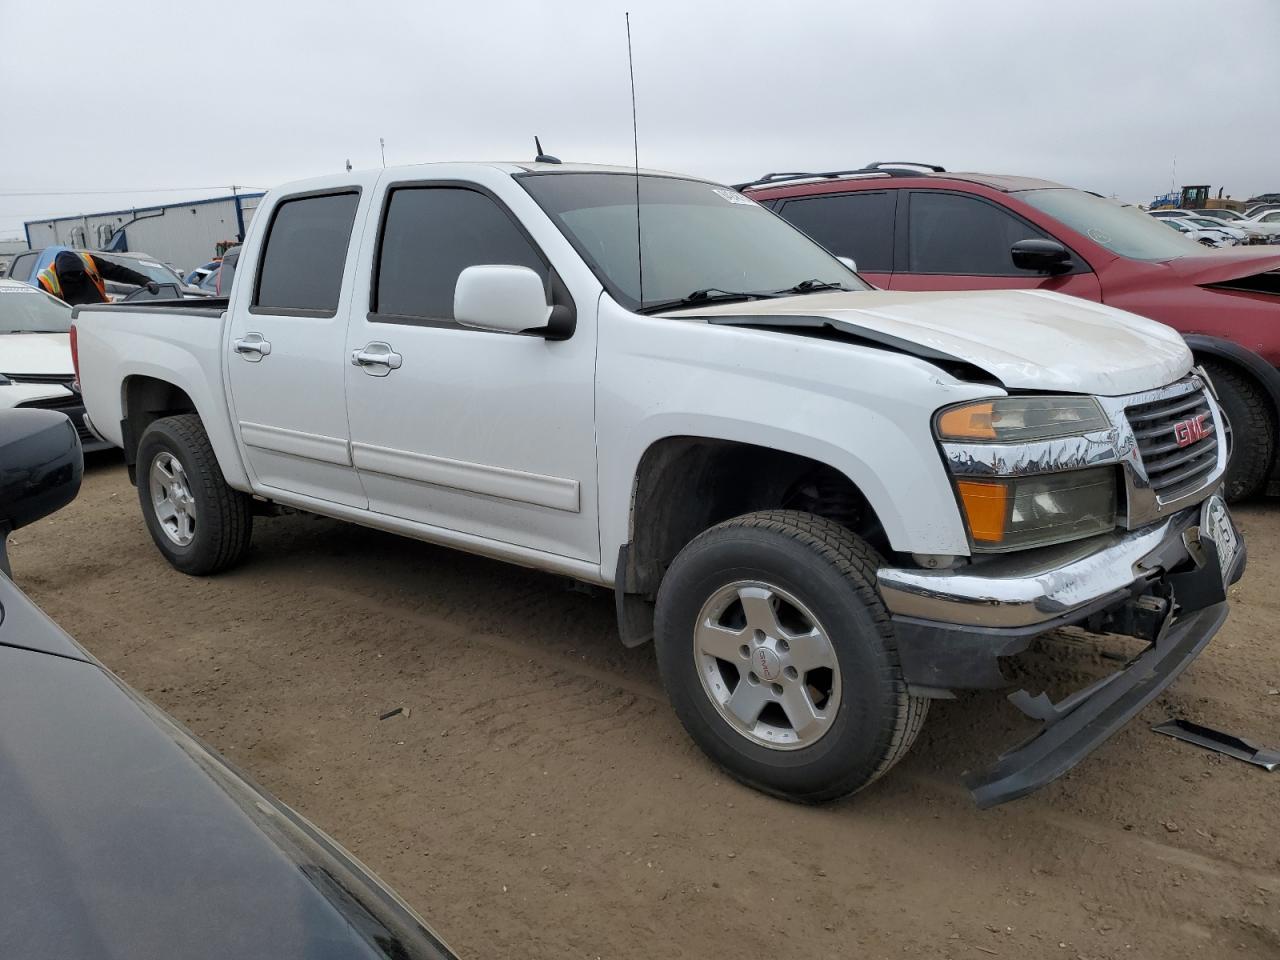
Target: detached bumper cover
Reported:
[(1147, 581)]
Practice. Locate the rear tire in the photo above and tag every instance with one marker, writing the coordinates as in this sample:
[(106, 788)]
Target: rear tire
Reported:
[(788, 603), (1253, 430), (197, 521)]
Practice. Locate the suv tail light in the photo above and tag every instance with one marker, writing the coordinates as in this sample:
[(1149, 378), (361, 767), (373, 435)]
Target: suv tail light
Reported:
[(75, 358)]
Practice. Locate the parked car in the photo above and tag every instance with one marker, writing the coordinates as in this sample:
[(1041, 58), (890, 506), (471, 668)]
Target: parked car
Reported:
[(1238, 221), (1223, 228), (124, 835), (826, 504), (27, 266), (1266, 222), (35, 356), (918, 227), (227, 272), (194, 277), (1204, 233)]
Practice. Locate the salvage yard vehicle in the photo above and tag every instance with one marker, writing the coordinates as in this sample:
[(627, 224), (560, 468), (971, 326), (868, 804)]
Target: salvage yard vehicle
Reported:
[(35, 356), (124, 836), (918, 227), (826, 504), (27, 266)]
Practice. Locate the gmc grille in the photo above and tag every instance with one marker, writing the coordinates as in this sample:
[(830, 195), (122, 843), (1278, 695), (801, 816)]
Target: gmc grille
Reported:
[(1178, 440)]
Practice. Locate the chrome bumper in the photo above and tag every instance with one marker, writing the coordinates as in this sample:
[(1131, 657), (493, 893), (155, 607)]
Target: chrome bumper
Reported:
[(1015, 590)]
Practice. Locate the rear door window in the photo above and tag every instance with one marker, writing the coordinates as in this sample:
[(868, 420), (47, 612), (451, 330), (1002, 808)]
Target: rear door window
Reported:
[(429, 236), (305, 253), (855, 225), (952, 233)]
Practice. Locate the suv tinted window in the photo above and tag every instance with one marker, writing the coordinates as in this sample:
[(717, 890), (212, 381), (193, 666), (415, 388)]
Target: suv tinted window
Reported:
[(305, 253), (856, 225), (952, 233), (432, 234)]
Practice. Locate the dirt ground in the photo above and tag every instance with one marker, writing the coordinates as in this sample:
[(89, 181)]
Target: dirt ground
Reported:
[(539, 799)]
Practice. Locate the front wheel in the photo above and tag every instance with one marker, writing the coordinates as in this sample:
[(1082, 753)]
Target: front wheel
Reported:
[(197, 521), (1252, 430), (780, 659)]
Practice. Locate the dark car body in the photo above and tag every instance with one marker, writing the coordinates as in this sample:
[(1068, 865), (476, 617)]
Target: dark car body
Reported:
[(918, 227), (122, 835)]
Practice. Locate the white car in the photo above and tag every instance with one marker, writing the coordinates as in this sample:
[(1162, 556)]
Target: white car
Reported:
[(1208, 236), (1253, 232), (1212, 225), (825, 503), (1265, 221), (35, 356)]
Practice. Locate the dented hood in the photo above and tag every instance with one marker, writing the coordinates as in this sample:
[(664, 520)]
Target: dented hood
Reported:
[(1028, 339)]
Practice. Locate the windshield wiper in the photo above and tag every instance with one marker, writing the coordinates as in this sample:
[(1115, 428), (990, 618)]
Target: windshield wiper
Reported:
[(707, 295), (812, 286)]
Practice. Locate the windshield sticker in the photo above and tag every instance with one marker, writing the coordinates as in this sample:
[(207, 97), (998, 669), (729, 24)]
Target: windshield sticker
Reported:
[(733, 196), (18, 288), (150, 263), (1100, 237)]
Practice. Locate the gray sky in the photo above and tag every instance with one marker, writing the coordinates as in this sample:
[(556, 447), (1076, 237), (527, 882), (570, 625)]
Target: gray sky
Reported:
[(1101, 94)]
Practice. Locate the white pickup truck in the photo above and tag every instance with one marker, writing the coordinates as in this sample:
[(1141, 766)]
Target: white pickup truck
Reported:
[(827, 504)]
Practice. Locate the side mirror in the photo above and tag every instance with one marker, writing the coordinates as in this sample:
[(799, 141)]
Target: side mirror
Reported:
[(501, 297), (40, 468), (1042, 256), (849, 262)]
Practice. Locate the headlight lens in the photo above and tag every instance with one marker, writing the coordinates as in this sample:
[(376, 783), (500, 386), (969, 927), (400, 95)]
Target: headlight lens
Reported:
[(1016, 513), (1019, 419)]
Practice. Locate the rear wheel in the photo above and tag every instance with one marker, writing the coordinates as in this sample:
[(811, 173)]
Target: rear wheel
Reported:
[(1251, 426), (199, 523), (780, 659)]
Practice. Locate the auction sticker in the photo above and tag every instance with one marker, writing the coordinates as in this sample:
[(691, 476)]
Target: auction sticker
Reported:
[(733, 196)]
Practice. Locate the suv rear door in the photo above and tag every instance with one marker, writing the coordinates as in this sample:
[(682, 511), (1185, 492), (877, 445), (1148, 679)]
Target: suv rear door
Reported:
[(949, 240)]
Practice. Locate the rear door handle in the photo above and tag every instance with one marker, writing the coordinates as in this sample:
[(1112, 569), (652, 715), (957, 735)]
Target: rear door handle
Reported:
[(252, 347), (376, 359)]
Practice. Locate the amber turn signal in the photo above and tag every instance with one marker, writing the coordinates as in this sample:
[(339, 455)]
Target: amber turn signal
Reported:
[(986, 506)]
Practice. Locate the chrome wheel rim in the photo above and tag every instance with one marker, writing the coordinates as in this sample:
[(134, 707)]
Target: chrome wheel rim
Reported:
[(171, 498), (767, 665)]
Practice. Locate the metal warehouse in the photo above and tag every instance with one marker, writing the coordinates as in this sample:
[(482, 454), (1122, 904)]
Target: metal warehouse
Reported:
[(184, 235)]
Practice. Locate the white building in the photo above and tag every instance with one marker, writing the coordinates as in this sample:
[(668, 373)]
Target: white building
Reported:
[(184, 235)]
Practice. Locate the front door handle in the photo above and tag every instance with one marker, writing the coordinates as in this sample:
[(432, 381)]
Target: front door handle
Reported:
[(252, 347), (377, 359)]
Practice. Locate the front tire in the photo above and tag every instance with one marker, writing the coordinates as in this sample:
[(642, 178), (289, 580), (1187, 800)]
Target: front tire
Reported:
[(197, 521), (1253, 430), (780, 659)]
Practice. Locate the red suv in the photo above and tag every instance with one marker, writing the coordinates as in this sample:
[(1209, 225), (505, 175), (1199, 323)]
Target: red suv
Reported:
[(912, 226)]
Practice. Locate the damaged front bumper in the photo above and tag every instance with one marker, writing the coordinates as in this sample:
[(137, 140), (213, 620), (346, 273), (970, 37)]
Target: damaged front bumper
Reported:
[(1165, 584)]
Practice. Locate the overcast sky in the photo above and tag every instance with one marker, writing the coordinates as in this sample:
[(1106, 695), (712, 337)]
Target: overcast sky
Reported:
[(1102, 94)]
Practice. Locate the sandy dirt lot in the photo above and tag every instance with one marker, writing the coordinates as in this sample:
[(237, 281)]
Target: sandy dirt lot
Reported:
[(541, 800)]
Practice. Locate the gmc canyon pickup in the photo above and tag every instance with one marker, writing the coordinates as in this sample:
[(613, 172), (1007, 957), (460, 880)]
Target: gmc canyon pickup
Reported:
[(825, 503)]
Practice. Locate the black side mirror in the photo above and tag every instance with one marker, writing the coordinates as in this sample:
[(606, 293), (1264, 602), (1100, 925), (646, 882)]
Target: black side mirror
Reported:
[(1042, 256), (40, 468)]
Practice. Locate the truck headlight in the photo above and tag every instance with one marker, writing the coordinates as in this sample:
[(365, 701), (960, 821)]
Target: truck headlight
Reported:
[(1019, 419), (1016, 513)]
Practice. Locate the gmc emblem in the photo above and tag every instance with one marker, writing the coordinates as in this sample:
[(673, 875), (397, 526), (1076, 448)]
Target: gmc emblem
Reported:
[(1187, 432)]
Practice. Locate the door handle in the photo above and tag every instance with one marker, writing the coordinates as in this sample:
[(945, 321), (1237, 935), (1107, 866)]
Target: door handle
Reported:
[(252, 347), (377, 359)]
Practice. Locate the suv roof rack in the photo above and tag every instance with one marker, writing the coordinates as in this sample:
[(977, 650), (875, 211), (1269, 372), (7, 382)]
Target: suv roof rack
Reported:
[(890, 168)]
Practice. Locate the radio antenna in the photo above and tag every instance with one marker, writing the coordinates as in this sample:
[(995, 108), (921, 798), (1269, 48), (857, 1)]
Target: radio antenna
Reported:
[(635, 143)]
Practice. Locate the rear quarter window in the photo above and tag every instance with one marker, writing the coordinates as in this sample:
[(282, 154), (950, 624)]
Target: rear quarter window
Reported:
[(855, 225)]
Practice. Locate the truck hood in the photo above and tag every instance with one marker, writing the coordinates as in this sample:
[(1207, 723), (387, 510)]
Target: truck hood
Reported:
[(36, 353), (1028, 339)]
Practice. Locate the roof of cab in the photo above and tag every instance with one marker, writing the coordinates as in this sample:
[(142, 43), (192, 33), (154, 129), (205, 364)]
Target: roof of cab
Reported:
[(427, 170)]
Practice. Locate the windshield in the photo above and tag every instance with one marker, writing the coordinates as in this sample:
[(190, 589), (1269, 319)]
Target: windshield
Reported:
[(152, 269), (695, 237), (1126, 231), (25, 309)]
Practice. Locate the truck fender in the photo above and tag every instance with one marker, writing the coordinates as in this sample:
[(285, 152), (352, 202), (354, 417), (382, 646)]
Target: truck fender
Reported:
[(1266, 375)]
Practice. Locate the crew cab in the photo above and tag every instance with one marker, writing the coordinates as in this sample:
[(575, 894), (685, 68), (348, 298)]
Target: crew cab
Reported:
[(913, 226), (826, 504)]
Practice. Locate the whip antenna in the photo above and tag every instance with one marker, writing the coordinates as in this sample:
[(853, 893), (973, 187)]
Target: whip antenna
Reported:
[(635, 143)]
